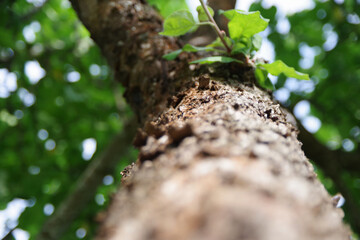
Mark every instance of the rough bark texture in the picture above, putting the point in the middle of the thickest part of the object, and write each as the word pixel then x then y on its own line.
pixel 218 158
pixel 228 167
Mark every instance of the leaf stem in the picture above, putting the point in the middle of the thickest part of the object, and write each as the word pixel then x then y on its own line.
pixel 205 23
pixel 217 29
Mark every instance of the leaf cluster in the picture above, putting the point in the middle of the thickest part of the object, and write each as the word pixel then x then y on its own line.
pixel 243 40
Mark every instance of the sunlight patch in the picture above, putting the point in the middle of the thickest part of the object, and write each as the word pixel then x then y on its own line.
pixel 89 148
pixel 34 71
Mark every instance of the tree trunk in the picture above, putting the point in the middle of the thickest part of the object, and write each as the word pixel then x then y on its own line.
pixel 218 158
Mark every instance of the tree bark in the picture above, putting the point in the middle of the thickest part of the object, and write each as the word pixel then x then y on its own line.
pixel 218 158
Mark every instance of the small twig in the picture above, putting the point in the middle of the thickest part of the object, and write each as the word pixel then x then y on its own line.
pixel 9 235
pixel 217 29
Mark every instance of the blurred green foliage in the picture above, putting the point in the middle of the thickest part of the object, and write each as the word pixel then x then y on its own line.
pixel 43 122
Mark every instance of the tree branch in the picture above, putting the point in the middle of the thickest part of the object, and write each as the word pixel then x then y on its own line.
pixel 351 206
pixel 224 5
pixel 323 156
pixel 9 234
pixel 212 155
pixel 127 33
pixel 217 29
pixel 334 163
pixel 202 36
pixel 86 187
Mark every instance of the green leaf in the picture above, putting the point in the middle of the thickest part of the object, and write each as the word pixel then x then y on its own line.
pixel 263 80
pixel 230 14
pixel 246 24
pixel 218 42
pixel 202 15
pixel 188 48
pixel 167 7
pixel 278 67
pixel 209 60
pixel 178 23
pixel 191 48
pixel 256 41
pixel 239 47
pixel 172 55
